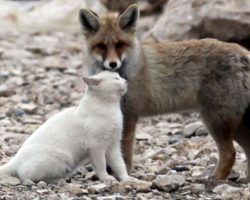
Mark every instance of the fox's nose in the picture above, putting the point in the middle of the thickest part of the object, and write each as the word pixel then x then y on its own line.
pixel 113 64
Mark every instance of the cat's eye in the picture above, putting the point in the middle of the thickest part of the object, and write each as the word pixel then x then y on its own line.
pixel 116 78
pixel 101 46
pixel 119 45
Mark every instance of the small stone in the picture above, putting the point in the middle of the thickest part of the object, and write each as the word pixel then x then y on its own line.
pixel 75 189
pixel 41 184
pixel 168 183
pixel 43 191
pixel 137 184
pixel 201 131
pixel 227 191
pixel 190 129
pixel 4 74
pixel 19 112
pixel 197 188
pixel 16 54
pixel 51 63
pixel 9 180
pixel 143 136
pixel 93 189
pixel 181 168
pixel 5 91
pixel 197 173
pixel 112 197
pixel 29 108
pixel 234 176
pixel 173 140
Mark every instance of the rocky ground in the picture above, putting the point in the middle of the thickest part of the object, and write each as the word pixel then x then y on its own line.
pixel 174 155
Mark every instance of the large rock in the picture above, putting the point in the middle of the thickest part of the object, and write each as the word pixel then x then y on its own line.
pixel 229 192
pixel 27 17
pixel 184 19
pixel 168 183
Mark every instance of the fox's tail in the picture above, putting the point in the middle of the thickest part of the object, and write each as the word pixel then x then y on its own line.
pixel 7 169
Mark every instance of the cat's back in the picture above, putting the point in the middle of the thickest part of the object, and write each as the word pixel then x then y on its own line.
pixel 55 127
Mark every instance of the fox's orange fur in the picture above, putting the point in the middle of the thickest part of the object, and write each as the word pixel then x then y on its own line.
pixel 207 76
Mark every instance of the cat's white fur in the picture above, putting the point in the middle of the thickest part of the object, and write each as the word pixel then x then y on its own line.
pixel 90 131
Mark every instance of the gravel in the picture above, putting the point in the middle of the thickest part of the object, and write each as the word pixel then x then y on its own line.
pixel 40 74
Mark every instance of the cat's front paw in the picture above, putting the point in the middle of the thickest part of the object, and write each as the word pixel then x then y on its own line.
pixel 109 180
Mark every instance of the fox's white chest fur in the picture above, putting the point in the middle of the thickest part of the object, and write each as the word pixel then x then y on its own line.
pixel 91 131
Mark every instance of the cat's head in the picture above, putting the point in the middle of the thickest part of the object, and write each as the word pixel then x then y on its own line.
pixel 107 83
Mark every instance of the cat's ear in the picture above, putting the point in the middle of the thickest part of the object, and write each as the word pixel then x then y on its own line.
pixel 89 21
pixel 129 18
pixel 91 81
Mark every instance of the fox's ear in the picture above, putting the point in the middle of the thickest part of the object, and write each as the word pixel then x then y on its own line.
pixel 91 81
pixel 128 19
pixel 89 21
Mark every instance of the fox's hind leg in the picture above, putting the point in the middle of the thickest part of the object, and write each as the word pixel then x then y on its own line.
pixel 222 132
pixel 243 138
pixel 128 139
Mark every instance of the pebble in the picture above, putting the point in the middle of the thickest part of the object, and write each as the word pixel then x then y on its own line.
pixel 173 140
pixel 29 108
pixel 197 173
pixel 75 189
pixel 181 168
pixel 93 189
pixel 41 69
pixel 190 129
pixel 112 197
pixel 9 180
pixel 143 136
pixel 168 183
pixel 137 184
pixel 201 131
pixel 5 91
pixel 41 184
pixel 229 192
pixel 19 112
pixel 197 188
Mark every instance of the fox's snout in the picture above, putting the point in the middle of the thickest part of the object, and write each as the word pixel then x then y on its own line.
pixel 112 64
pixel 112 60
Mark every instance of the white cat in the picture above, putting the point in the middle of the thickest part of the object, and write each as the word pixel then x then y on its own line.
pixel 92 131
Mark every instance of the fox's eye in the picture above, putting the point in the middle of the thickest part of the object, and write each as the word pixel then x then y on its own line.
pixel 119 45
pixel 101 46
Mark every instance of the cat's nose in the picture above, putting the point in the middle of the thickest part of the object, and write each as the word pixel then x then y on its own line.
pixel 113 65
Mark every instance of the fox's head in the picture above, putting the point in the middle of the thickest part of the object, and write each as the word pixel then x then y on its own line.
pixel 110 39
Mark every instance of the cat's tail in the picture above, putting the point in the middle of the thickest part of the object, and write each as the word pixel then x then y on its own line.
pixel 7 169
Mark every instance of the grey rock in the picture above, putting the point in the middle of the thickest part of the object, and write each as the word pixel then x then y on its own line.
pixel 168 183
pixel 41 184
pixel 186 19
pixel 5 91
pixel 75 189
pixel 93 189
pixel 190 129
pixel 19 112
pixel 227 192
pixel 9 180
pixel 197 188
pixel 112 197
pixel 181 168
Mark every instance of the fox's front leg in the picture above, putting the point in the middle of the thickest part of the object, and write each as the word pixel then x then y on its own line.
pixel 128 139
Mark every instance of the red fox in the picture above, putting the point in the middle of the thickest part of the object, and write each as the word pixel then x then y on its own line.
pixel 207 76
